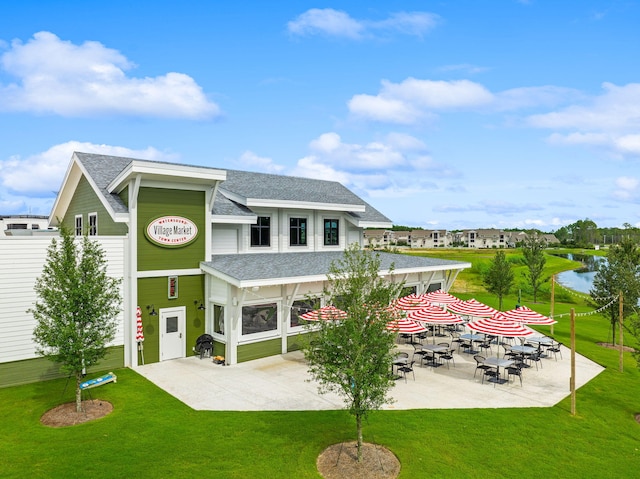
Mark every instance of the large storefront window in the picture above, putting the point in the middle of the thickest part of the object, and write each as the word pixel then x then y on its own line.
pixel 259 318
pixel 299 308
pixel 218 319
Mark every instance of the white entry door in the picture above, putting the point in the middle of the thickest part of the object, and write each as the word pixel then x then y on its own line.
pixel 173 338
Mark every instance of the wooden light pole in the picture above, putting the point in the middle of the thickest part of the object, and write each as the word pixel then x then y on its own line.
pixel 620 309
pixel 553 298
pixel 572 379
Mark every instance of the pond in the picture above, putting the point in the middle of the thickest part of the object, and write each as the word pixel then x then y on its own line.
pixel 580 279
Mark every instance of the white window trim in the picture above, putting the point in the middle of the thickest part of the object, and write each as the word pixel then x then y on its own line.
pixel 340 231
pixel 272 333
pixel 297 247
pixel 75 225
pixel 89 216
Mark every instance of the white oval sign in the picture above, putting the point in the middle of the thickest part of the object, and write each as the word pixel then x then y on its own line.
pixel 172 231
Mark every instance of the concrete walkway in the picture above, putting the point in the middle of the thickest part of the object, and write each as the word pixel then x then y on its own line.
pixel 282 383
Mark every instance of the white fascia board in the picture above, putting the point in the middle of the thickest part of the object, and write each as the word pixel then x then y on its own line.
pixel 64 196
pixel 234 220
pixel 426 269
pixel 303 205
pixel 368 224
pixel 168 171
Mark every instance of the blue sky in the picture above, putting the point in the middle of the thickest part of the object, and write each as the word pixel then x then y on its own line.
pixel 441 114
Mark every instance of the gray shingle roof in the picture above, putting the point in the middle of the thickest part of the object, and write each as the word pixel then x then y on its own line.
pixel 272 268
pixel 104 168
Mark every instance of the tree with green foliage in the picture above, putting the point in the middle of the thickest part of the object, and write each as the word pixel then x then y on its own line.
pixel 76 307
pixel 353 356
pixel 533 251
pixel 619 274
pixel 499 278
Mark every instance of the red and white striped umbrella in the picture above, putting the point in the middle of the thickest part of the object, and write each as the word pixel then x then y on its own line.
pixel 472 307
pixel 525 315
pixel 434 315
pixel 324 313
pixel 494 327
pixel 411 302
pixel 139 328
pixel 440 297
pixel 404 325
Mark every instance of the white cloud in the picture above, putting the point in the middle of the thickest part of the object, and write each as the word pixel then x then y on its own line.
pixel 312 167
pixel 41 175
pixel 627 188
pixel 395 167
pixel 351 156
pixel 250 159
pixel 337 23
pixel 534 97
pixel 56 76
pixel 617 109
pixel 413 99
pixel 326 21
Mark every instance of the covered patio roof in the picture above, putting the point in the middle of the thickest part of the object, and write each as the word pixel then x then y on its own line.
pixel 268 269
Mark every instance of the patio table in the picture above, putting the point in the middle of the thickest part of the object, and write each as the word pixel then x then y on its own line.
pixel 471 338
pixel 434 348
pixel 498 363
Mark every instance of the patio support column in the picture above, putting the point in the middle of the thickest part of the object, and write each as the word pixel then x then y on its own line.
pixel 287 303
pixel 234 326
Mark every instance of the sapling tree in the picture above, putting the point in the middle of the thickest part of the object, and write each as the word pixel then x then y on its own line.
pixel 499 277
pixel 76 308
pixel 353 356
pixel 533 252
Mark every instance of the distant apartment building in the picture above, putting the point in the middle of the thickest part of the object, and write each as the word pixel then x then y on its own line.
pixel 429 239
pixel 482 238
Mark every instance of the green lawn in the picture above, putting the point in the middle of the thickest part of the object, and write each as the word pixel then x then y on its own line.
pixel 151 434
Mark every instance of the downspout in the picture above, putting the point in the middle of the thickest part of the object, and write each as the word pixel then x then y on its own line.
pixel 131 304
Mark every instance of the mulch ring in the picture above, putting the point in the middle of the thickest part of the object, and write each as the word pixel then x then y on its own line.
pixel 616 346
pixel 340 461
pixel 66 415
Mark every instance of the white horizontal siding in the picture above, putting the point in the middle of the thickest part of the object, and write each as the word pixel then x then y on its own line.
pixel 21 263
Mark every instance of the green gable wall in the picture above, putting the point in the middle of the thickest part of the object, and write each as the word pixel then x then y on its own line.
pixel 156 202
pixel 153 291
pixel 86 201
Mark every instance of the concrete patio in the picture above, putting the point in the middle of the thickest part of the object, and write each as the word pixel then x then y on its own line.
pixel 281 383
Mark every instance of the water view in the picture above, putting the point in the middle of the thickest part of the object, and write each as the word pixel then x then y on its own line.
pixel 580 279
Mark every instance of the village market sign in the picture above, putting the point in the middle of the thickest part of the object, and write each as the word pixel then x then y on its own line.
pixel 171 231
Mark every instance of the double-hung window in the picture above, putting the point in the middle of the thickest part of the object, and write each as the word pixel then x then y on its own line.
pixel 297 231
pixel 331 232
pixel 93 224
pixel 78 226
pixel 261 232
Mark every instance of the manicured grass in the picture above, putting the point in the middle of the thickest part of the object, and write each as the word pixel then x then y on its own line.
pixel 152 435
